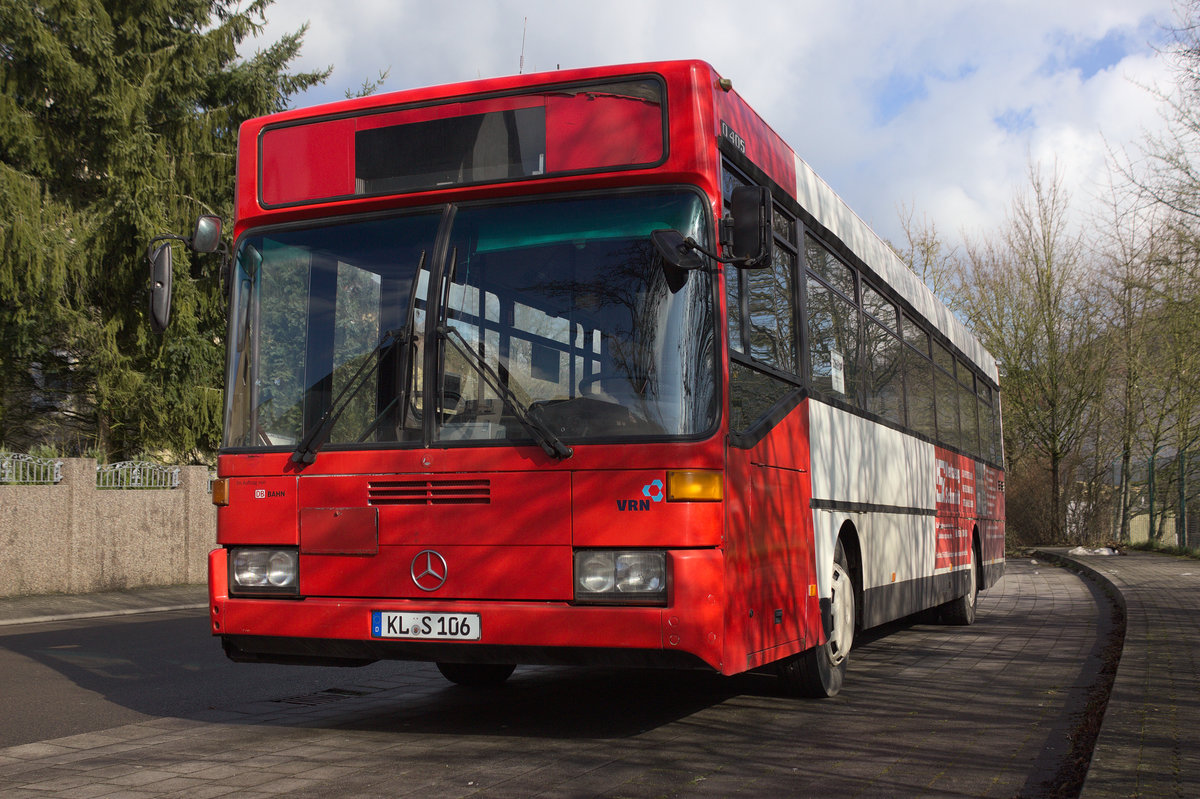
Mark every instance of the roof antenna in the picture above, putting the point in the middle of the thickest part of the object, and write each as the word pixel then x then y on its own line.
pixel 521 68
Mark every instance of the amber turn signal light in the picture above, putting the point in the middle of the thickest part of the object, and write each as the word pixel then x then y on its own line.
pixel 220 492
pixel 695 485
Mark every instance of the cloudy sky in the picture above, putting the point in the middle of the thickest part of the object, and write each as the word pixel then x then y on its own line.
pixel 933 105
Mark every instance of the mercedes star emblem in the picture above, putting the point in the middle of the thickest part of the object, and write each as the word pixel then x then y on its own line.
pixel 428 570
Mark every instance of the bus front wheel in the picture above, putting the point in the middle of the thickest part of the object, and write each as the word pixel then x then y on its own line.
pixel 819 672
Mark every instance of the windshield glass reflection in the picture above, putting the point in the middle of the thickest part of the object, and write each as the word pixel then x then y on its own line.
pixel 566 301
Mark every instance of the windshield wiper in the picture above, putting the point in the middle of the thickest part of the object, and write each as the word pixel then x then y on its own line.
pixel 530 418
pixel 405 368
pixel 306 452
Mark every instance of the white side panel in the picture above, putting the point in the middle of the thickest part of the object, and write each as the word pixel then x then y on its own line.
pixel 891 543
pixel 826 524
pixel 816 197
pixel 856 461
pixel 899 544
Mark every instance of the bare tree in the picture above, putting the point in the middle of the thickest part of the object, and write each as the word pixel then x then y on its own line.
pixel 1126 234
pixel 1169 169
pixel 928 255
pixel 1028 295
pixel 1148 246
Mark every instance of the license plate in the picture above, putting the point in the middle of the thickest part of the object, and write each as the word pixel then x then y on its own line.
pixel 425 626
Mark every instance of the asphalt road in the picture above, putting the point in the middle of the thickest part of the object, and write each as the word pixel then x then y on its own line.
pixel 65 678
pixel 987 710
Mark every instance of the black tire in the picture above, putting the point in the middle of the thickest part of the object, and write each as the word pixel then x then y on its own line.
pixel 961 611
pixel 477 675
pixel 820 671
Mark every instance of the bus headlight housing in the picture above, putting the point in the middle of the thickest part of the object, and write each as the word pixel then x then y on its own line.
pixel 262 570
pixel 635 576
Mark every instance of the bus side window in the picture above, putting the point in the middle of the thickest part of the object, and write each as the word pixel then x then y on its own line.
pixel 883 386
pixel 918 379
pixel 730 180
pixel 761 316
pixel 946 391
pixel 733 308
pixel 883 389
pixel 833 324
pixel 772 321
pixel 832 342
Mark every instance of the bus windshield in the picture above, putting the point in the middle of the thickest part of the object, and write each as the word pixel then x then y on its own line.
pixel 359 328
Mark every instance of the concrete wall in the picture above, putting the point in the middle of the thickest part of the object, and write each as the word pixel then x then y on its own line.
pixel 74 538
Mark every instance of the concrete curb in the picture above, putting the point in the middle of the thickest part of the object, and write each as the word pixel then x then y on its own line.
pixel 97 614
pixel 1149 739
pixel 47 608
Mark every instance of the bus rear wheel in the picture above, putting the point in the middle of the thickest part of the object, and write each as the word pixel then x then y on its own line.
pixel 961 611
pixel 820 671
pixel 476 675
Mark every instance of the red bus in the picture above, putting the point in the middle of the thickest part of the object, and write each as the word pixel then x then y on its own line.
pixel 584 367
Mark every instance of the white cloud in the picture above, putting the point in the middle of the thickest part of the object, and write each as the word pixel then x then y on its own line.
pixel 937 105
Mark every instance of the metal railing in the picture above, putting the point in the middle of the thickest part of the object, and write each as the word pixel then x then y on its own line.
pixel 18 469
pixel 137 474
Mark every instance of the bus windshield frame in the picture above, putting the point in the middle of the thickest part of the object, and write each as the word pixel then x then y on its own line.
pixel 358 325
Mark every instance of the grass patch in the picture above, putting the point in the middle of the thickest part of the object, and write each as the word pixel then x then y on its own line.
pixel 1163 549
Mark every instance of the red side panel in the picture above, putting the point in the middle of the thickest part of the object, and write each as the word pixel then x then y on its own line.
pixel 739 125
pixel 990 488
pixel 955 509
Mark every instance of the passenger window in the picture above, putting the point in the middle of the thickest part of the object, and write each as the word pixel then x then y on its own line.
pixel 832 342
pixel 915 336
pixel 772 325
pixel 824 264
pixel 883 387
pixel 918 381
pixel 947 408
pixel 874 303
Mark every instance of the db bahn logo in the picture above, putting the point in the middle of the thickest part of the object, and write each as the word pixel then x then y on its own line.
pixel 652 491
pixel 428 570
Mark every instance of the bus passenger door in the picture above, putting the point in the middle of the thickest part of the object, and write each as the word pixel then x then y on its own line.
pixel 770 547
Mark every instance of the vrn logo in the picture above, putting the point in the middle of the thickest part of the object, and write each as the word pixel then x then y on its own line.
pixel 652 491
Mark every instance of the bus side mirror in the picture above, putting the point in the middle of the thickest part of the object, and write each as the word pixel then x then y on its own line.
pixel 207 237
pixel 160 287
pixel 753 240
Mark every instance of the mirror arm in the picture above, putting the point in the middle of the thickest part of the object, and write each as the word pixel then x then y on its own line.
pixel 154 242
pixel 735 261
pixel 225 269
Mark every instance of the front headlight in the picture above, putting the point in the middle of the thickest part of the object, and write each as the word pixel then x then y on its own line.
pixel 626 577
pixel 264 571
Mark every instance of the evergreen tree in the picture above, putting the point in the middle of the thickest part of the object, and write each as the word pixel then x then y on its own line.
pixel 119 120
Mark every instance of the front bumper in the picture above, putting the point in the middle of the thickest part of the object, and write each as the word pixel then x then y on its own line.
pixel 337 630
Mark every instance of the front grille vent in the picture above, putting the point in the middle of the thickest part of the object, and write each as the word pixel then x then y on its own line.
pixel 429 492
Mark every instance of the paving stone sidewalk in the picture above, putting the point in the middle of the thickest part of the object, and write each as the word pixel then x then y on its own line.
pixel 1149 744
